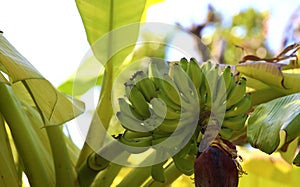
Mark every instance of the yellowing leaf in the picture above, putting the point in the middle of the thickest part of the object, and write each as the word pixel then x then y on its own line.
pixel 272 74
pixel 268 73
pixel 55 107
pixel 14 64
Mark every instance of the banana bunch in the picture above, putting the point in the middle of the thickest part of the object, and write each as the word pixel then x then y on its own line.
pixel 157 106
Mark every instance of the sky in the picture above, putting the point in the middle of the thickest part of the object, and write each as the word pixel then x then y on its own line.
pixel 51 36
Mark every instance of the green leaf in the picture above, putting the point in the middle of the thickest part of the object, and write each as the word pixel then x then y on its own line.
pixel 268 119
pixel 102 16
pixel 54 106
pixel 14 64
pixel 89 74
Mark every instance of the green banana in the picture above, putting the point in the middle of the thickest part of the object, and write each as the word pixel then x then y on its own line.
pixel 202 93
pixel 225 83
pixel 157 134
pixel 153 122
pixel 185 164
pixel 128 110
pixel 132 135
pixel 161 109
pixel 195 73
pixel 184 63
pixel 240 108
pixel 130 123
pixel 237 93
pixel 180 78
pixel 184 151
pixel 211 84
pixel 138 101
pixel 145 85
pixel 183 83
pixel 154 74
pixel 161 95
pixel 206 66
pixel 157 140
pixel 168 126
pixel 228 79
pixel 220 96
pixel 169 88
pixel 235 123
pixel 137 145
pixel 157 170
pixel 226 133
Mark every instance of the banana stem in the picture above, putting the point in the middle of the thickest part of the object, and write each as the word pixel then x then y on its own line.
pixel 136 177
pixel 83 155
pixel 103 113
pixel 8 171
pixel 26 144
pixel 106 177
pixel 89 171
pixel 86 175
pixel 171 173
pixel 96 163
pixel 64 170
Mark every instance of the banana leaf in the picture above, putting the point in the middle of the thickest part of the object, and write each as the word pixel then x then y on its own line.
pixel 274 125
pixel 274 75
pixel 81 80
pixel 54 106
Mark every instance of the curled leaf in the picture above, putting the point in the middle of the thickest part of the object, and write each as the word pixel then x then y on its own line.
pixel 268 119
